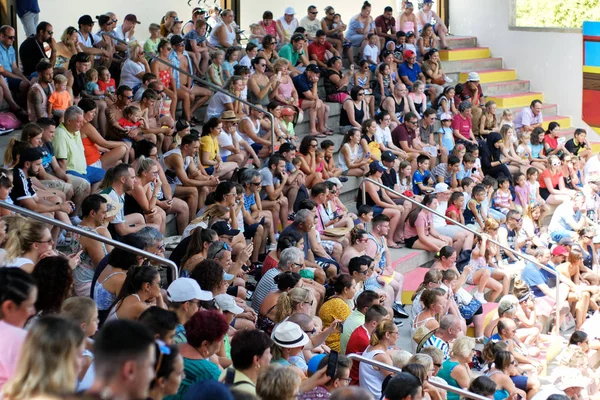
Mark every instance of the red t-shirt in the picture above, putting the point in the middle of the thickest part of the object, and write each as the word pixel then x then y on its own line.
pixel 319 50
pixel 268 264
pixel 109 87
pixel 402 134
pixel 554 178
pixel 357 344
pixel 386 25
pixel 462 125
pixel 551 141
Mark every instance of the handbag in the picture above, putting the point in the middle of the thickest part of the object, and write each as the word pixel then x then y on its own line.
pixel 9 121
pixel 467 304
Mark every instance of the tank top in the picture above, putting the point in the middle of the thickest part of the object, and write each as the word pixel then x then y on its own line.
pixel 445 374
pixel 499 394
pixel 252 98
pixel 229 33
pixel 419 107
pixel 452 207
pixel 354 155
pixel 359 114
pixel 103 297
pixel 469 216
pixel 288 29
pixel 112 316
pixel 170 173
pixel 83 274
pixel 255 129
pixel 408 26
pixel 92 154
pixel 286 90
pixel 398 108
pixel 30 107
pixel 380 250
pixel 369 377
pixel 369 200
pixel 330 87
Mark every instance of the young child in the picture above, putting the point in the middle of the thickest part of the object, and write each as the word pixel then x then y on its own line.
pixel 405 178
pixel 251 52
pixel 60 99
pixel 419 100
pixel 91 87
pixel 472 214
pixel 386 84
pixel 287 120
pixel 162 323
pixel 337 22
pixel 445 103
pixel 328 147
pixel 198 47
pixel 257 33
pixel 490 184
pixel 446 136
pixel 411 42
pixel 151 44
pixel 397 47
pixel 507 118
pixel 422 179
pixel 231 60
pixel 521 191
pixel 455 207
pixel 365 215
pixel 467 185
pixel 477 173
pixel 107 84
pixel 176 29
pixel 371 51
pixel 6 185
pixel 459 151
pixel 83 311
pixel 133 122
pixel 320 163
pixel 503 201
pixel 215 70
pixel 466 167
pixel 534 186
pixel 296 162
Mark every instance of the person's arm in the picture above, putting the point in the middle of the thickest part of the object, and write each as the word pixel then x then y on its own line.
pixel 35 99
pixel 41 206
pixel 58 171
pixel 273 193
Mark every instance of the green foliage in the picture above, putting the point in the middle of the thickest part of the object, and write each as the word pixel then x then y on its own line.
pixel 557 13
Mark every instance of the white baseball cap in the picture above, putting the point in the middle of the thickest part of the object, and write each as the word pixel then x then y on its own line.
pixel 227 303
pixel 473 77
pixel 186 289
pixel 290 11
pixel 441 187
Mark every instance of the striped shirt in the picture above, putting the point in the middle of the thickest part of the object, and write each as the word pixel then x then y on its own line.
pixel 435 341
pixel 265 286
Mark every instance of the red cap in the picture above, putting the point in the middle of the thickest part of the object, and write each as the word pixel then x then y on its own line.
pixel 132 18
pixel 287 111
pixel 560 251
pixel 409 54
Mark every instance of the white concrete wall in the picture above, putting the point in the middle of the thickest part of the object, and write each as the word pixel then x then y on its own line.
pixel 552 61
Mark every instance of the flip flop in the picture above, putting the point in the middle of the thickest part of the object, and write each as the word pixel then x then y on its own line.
pixel 395 246
pixel 318 135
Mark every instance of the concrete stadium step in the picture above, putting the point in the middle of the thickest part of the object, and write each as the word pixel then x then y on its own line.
pixel 467 53
pixel 564 122
pixel 492 75
pixel 471 65
pixel 548 110
pixel 498 88
pixel 512 100
pixel 461 42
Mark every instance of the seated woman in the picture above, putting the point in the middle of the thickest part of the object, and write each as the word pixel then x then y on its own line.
pixel 221 102
pixel 576 355
pixel 296 300
pixel 455 370
pixel 503 369
pixel 307 153
pixel 165 74
pixel 419 232
pixel 288 342
pixel 210 157
pixel 383 337
pixel 197 249
pixel 383 204
pixel 435 306
pixel 141 289
pixel 584 243
pixel 336 308
pixel 510 156
pixel 143 197
pixel 552 183
pixel 354 110
pixel 353 159
pixel 493 162
pixel 335 82
pixel 267 315
pixel 462 304
pixel 531 233
pixel 27 244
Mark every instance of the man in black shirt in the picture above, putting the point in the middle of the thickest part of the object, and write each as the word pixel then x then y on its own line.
pixel 32 49
pixel 390 177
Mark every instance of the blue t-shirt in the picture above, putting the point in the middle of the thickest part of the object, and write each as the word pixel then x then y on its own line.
pixel 249 201
pixel 419 178
pixel 411 73
pixel 533 277
pixel 302 84
pixel 462 173
pixel 25 6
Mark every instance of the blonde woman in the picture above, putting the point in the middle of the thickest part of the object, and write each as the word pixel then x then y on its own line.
pixel 67 48
pixel 134 67
pixel 488 122
pixel 50 360
pixel 384 336
pixel 211 214
pixel 297 300
pixel 26 245
pixel 167 22
pixel 510 154
pixel 278 383
pixel 143 197
pixel 455 370
pixel 430 374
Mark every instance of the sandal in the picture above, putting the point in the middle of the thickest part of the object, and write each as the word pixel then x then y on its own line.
pixel 318 135
pixel 395 246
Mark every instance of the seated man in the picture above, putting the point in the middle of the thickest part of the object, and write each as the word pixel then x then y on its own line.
pixel 69 149
pixel 17 81
pixel 405 137
pixel 114 112
pixel 24 195
pixel 40 91
pixel 32 48
pixel 410 72
pixel 530 117
pixel 294 53
pixel 307 86
pixel 274 177
pixel 385 27
pixel 317 50
pixel 191 183
pixel 568 219
pixel 232 147
pixel 123 176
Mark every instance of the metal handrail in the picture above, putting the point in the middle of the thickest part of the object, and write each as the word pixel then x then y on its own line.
pixel 42 218
pixel 517 253
pixel 216 88
pixel 448 388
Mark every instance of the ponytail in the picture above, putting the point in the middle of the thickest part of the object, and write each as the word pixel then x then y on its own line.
pixel 283 309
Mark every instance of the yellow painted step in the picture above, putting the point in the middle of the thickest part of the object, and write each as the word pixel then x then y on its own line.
pixel 596 148
pixel 564 122
pixel 492 75
pixel 516 99
pixel 470 53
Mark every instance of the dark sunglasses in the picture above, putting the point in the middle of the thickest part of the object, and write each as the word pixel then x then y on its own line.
pixel 129 97
pixel 50 32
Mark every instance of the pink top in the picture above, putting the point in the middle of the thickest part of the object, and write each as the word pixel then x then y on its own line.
pixel 285 90
pixel 524 192
pixel 270 29
pixel 408 26
pixel 10 350
pixel 424 219
pixel 502 198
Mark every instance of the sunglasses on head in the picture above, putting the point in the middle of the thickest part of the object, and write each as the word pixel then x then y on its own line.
pixel 164 350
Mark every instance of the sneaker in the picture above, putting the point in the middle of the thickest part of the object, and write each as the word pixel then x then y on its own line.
pixel 479 296
pixel 399 310
pixel 343 179
pixel 271 247
pixel 398 322
pixel 4 131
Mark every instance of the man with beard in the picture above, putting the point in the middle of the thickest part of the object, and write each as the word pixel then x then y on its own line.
pixel 274 179
pixel 23 193
pixel 123 180
pixel 32 49
pixel 37 98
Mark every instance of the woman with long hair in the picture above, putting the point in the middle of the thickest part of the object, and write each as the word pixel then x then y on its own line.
pixel 210 156
pixel 50 360
pixel 431 280
pixel 165 74
pixel 384 336
pixel 269 51
pixel 293 301
pixel 531 229
pixel 56 276
pixel 585 244
pixel 267 315
pixel 67 48
pixel 336 308
pixel 552 183
pixel 419 232
pixel 353 158
pixel 488 122
pixel 260 87
pixel 197 249
pixel 221 102
pixel 168 371
pixel 26 245
pixel 500 372
pixel 435 306
pixel 369 129
pixel 307 153
pixel 354 110
pixel 140 290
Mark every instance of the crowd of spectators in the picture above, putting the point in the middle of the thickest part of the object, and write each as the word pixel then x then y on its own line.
pixel 279 281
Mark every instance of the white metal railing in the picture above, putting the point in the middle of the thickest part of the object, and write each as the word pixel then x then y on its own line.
pixel 216 88
pixel 47 220
pixel 517 253
pixel 448 388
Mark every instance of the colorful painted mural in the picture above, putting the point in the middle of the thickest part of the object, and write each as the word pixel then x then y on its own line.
pixel 591 74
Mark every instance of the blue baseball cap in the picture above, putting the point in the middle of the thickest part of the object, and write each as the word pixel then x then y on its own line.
pixel 377 166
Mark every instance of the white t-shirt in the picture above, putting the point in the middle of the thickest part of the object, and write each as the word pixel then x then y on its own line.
pixel 226 139
pixel 88 42
pixel 120 217
pixel 372 52
pixel 311 26
pixel 216 105
pixel 591 171
pixel 383 136
pixel 437 220
pixel 129 71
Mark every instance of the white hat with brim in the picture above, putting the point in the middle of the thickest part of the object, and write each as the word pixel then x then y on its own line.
pixel 289 335
pixel 227 303
pixel 569 378
pixel 473 77
pixel 290 11
pixel 187 289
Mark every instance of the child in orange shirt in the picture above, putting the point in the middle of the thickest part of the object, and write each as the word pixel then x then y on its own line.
pixel 60 99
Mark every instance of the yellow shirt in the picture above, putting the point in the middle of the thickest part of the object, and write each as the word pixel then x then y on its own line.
pixel 210 145
pixel 335 308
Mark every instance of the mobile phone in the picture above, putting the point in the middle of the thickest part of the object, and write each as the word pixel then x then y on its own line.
pixel 279 75
pixel 339 327
pixel 332 364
